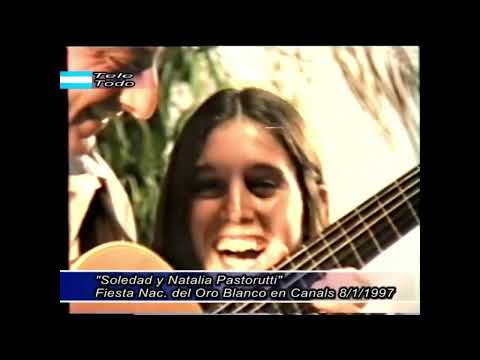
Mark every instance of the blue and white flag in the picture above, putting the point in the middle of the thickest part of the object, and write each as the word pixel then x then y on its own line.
pixel 76 79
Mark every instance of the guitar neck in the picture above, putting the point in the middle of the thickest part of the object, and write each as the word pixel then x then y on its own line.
pixel 365 232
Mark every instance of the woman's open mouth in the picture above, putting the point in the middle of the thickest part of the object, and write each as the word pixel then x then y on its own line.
pixel 240 253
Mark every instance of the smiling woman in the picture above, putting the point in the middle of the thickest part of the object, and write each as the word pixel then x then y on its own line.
pixel 243 188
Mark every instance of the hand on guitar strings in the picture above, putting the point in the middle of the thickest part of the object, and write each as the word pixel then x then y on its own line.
pixel 343 277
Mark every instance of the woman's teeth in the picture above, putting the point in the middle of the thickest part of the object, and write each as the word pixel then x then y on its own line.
pixel 238 245
pixel 239 253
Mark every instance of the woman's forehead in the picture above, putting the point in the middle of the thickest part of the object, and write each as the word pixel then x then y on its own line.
pixel 243 141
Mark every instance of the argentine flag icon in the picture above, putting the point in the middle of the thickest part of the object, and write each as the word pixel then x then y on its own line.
pixel 76 79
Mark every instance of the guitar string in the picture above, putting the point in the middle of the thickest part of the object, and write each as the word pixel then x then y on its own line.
pixel 385 214
pixel 337 225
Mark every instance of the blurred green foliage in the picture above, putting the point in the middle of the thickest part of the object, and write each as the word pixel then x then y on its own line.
pixel 138 151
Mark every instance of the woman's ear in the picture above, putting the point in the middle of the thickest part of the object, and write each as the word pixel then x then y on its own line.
pixel 324 206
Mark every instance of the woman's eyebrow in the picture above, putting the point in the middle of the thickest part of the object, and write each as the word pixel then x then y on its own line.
pixel 266 169
pixel 203 169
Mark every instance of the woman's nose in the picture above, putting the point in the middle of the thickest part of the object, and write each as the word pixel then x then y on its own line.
pixel 141 100
pixel 237 207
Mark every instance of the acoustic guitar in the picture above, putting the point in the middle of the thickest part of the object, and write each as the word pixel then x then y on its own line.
pixel 352 241
pixel 123 255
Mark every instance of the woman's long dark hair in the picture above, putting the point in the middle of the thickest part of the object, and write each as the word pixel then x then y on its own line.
pixel 172 235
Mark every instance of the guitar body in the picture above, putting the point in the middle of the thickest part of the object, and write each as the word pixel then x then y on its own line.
pixel 122 255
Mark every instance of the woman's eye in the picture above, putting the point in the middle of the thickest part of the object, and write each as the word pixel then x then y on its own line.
pixel 207 188
pixel 263 188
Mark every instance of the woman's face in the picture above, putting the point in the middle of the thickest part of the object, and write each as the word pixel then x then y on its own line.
pixel 247 206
